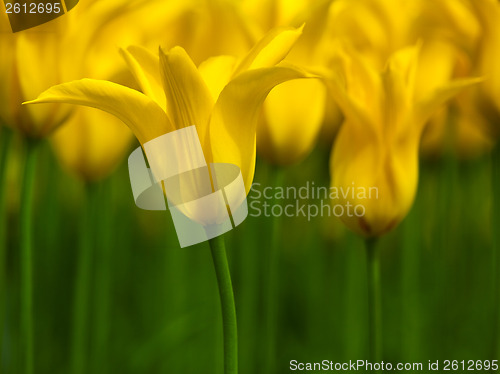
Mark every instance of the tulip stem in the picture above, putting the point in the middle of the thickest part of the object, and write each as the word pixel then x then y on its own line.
pixel 26 242
pixel 495 221
pixel 79 342
pixel 101 284
pixel 272 279
pixel 229 326
pixel 5 138
pixel 374 307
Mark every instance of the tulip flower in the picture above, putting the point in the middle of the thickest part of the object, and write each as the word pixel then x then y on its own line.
pixel 227 100
pixel 221 98
pixel 292 117
pixel 378 143
pixel 22 78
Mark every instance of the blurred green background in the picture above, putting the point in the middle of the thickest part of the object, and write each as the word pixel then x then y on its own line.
pixel 155 306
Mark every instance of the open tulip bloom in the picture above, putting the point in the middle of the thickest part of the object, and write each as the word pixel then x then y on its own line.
pixel 221 98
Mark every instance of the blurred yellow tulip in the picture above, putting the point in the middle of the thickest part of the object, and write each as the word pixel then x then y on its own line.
pixel 292 118
pixel 91 143
pixel 40 57
pixel 377 146
pixel 29 63
pixel 223 107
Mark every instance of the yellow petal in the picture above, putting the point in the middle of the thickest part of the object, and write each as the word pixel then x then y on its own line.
pixel 399 87
pixel 234 119
pixel 217 72
pixel 293 115
pixel 188 97
pixel 437 65
pixel 356 87
pixel 271 49
pixel 145 67
pixel 140 113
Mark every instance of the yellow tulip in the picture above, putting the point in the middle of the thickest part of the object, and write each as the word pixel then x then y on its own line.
pixel 25 70
pixel 375 154
pixel 223 107
pixel 40 57
pixel 292 117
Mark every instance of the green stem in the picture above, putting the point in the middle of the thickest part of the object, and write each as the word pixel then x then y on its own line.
pixel 26 241
pixel 101 284
pixel 374 307
pixel 410 263
pixel 495 221
pixel 272 285
pixel 5 138
pixel 229 327
pixel 248 293
pixel 80 336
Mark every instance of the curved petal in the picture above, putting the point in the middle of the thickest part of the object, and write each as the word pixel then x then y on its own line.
pixel 141 114
pixel 428 106
pixel 271 49
pixel 234 119
pixel 188 97
pixel 145 67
